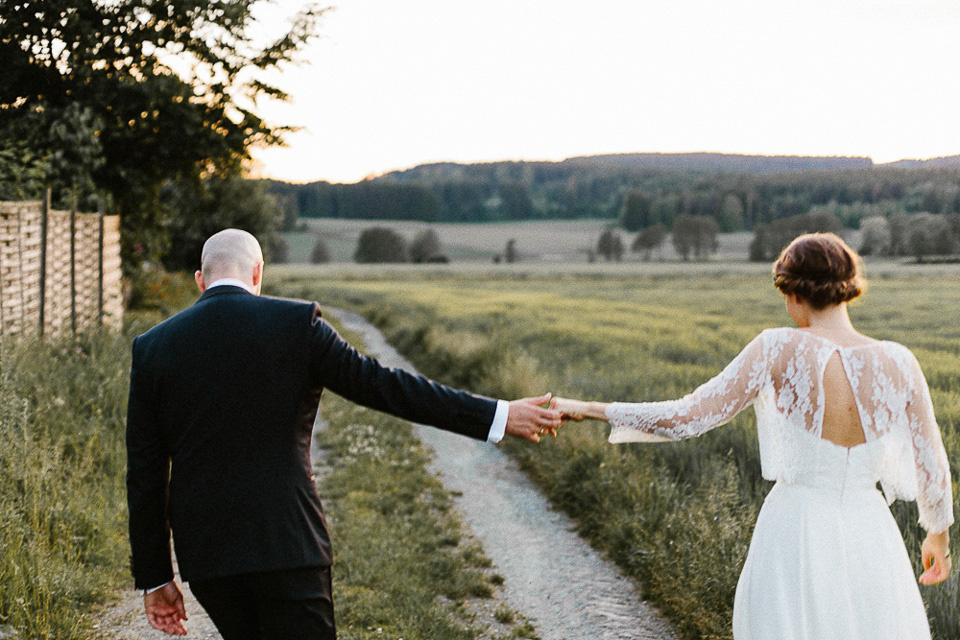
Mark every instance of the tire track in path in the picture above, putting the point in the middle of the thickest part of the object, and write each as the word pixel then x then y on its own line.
pixel 553 576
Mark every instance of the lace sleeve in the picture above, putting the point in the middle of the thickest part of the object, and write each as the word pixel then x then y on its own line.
pixel 712 404
pixel 934 495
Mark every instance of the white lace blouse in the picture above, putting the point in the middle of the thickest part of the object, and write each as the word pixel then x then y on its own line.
pixel 781 373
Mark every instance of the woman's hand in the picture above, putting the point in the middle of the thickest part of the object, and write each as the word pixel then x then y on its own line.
pixel 578 410
pixel 935 554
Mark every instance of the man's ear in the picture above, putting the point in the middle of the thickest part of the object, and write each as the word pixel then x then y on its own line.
pixel 198 276
pixel 257 274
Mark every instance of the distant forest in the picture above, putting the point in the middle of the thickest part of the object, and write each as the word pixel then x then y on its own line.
pixel 640 190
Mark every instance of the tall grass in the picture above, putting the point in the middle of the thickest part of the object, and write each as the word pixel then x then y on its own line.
pixel 676 516
pixel 62 509
pixel 63 526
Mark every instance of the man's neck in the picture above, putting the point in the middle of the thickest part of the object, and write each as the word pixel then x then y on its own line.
pixel 230 282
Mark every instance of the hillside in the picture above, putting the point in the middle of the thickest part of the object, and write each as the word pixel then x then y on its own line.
pixel 701 161
pixel 738 191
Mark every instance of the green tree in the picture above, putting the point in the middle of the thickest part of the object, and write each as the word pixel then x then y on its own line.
pixel 425 247
pixel 649 239
pixel 731 213
pixel 930 234
pixel 875 236
pixel 636 211
pixel 696 235
pixel 213 204
pixel 510 253
pixel 610 245
pixel 770 238
pixel 320 254
pixel 110 63
pixel 381 244
pixel 76 154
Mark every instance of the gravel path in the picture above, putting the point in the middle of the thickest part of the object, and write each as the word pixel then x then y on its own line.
pixel 552 576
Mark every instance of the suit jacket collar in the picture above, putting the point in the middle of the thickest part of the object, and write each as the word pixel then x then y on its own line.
pixel 227 289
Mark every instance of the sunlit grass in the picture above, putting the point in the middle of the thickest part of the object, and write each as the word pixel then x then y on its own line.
pixel 648 337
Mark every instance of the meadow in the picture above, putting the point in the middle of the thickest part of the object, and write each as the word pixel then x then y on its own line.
pixel 549 241
pixel 677 517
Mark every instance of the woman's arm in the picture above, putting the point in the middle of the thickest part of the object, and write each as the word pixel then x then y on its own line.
pixel 712 404
pixel 935 489
pixel 579 410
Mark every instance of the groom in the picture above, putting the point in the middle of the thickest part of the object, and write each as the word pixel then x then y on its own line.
pixel 223 398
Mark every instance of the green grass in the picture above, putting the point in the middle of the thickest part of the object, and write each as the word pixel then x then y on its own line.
pixel 63 522
pixel 404 567
pixel 647 337
pixel 62 500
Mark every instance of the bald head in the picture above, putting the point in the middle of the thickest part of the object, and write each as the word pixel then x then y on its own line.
pixel 231 253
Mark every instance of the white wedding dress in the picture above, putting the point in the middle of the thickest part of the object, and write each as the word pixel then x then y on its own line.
pixel 827 561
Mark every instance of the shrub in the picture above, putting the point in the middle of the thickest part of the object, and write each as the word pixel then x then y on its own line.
pixel 426 247
pixel 381 244
pixel 321 251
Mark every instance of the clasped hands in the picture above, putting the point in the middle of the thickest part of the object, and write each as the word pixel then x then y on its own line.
pixel 532 418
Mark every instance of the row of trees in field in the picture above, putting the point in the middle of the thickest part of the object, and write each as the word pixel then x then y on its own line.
pixel 383 244
pixel 694 237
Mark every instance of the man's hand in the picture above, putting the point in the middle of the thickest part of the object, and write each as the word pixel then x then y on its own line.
pixel 529 420
pixel 165 609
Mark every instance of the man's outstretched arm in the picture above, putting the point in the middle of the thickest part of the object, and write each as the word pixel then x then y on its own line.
pixel 361 379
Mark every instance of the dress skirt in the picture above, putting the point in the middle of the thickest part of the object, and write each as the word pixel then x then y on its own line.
pixel 825 564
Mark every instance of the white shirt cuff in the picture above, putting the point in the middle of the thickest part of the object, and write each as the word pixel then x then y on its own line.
pixel 157 588
pixel 499 426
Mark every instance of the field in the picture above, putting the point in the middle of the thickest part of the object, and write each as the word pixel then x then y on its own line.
pixel 643 333
pixel 551 242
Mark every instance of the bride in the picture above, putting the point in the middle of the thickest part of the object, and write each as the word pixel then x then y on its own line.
pixel 837 412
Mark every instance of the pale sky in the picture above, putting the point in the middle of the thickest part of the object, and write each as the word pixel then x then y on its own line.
pixel 394 83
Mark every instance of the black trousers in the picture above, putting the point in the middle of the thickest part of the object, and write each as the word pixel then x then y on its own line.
pixel 294 604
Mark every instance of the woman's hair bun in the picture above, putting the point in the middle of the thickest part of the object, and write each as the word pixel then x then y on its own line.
pixel 821 269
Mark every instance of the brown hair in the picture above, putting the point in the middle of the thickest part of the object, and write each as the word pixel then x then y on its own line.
pixel 820 269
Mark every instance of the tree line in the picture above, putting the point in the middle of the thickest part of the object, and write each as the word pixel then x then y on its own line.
pixel 637 197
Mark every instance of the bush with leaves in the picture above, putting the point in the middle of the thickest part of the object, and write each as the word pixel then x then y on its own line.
pixel 426 247
pixel 320 254
pixel 381 244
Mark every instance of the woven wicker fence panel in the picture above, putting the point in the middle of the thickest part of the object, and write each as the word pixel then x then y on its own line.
pixel 81 293
pixel 57 309
pixel 20 231
pixel 112 274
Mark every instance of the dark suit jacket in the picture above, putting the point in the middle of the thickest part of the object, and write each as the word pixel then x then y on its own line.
pixel 223 398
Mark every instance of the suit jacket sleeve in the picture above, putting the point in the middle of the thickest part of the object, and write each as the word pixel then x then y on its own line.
pixel 361 379
pixel 148 474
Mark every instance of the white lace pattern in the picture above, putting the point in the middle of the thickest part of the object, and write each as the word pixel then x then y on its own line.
pixel 781 373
